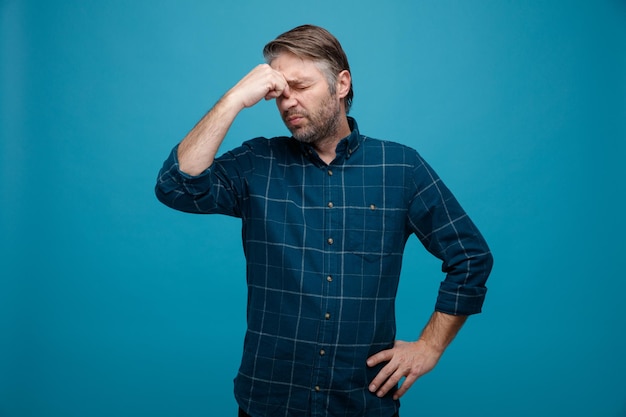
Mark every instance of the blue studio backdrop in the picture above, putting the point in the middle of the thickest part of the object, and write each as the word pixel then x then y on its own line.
pixel 114 305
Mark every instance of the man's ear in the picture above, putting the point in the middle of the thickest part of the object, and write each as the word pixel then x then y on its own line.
pixel 344 81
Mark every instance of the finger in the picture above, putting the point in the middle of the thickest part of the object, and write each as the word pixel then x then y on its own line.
pixel 404 387
pixel 280 89
pixel 382 376
pixel 380 357
pixel 389 384
pixel 271 95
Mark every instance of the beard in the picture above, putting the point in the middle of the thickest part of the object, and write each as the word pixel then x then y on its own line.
pixel 320 124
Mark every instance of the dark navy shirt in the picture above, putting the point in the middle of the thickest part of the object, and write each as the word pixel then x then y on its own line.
pixel 323 246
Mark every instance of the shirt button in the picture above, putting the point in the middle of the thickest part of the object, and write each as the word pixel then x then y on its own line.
pixel 329 278
pixel 330 172
pixel 327 316
pixel 322 352
pixel 372 207
pixel 317 388
pixel 330 204
pixel 330 241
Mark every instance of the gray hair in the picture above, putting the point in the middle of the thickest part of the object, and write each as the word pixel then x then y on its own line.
pixel 317 44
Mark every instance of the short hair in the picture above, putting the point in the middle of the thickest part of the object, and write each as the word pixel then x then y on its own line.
pixel 317 44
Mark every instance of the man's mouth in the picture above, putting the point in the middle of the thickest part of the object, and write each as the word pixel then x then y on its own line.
pixel 295 120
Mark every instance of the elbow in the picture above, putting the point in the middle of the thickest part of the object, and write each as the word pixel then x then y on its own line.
pixel 488 262
pixel 163 197
pixel 479 268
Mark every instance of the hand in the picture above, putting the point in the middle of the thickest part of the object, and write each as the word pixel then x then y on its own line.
pixel 262 82
pixel 405 359
pixel 198 149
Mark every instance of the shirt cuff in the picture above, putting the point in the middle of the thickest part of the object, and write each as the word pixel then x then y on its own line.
pixel 193 184
pixel 459 300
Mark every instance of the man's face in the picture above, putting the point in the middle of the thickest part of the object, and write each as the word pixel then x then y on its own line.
pixel 309 110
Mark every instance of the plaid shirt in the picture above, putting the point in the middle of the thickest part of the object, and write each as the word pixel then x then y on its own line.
pixel 323 247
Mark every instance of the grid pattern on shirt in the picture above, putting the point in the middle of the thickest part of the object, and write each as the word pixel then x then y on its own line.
pixel 323 246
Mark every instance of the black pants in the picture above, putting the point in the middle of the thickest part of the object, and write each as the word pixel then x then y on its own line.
pixel 244 414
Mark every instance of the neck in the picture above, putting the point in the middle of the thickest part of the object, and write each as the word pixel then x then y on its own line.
pixel 326 147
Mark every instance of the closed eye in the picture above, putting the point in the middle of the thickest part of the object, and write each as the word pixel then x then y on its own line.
pixel 300 87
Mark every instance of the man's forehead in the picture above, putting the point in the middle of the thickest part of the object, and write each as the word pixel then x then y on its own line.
pixel 295 67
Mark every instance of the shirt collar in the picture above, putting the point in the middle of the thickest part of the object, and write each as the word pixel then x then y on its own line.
pixel 346 146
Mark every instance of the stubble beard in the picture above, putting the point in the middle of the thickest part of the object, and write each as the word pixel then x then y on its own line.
pixel 322 125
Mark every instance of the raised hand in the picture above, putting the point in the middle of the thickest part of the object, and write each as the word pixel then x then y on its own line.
pixel 262 82
pixel 198 149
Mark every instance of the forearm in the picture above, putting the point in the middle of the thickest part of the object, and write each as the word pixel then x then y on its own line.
pixel 441 330
pixel 198 149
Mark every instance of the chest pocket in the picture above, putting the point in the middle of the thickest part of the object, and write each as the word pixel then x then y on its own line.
pixel 373 229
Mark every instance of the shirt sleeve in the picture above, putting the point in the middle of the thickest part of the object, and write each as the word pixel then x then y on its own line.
pixel 447 232
pixel 215 191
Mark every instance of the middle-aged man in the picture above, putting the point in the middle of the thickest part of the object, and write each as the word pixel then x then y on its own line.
pixel 325 217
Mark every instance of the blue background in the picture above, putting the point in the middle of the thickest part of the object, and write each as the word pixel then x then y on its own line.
pixel 113 305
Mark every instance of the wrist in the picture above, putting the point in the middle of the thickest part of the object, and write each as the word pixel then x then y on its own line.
pixel 432 345
pixel 231 102
pixel 441 330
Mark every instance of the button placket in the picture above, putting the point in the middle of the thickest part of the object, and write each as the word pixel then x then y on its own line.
pixel 331 226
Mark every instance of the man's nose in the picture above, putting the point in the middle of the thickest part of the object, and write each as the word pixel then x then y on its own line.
pixel 287 100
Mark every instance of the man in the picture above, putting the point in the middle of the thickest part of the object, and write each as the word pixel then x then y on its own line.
pixel 325 217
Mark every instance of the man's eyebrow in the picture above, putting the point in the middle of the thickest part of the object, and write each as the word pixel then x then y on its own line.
pixel 300 81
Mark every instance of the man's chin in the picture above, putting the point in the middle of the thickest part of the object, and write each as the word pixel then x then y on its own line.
pixel 304 138
pixel 300 134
